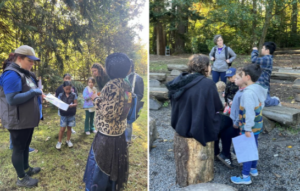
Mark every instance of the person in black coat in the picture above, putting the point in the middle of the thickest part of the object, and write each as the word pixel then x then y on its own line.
pixel 195 102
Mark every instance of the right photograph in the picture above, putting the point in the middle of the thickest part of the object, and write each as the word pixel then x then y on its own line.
pixel 224 87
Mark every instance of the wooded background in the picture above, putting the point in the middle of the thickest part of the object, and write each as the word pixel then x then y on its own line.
pixel 188 26
pixel 70 35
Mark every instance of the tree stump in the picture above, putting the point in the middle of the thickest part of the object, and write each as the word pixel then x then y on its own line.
pixel 194 163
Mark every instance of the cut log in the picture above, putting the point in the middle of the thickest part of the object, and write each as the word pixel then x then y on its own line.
pixel 180 67
pixel 159 93
pixel 194 163
pixel 296 88
pixel 284 70
pixel 158 76
pixel 284 115
pixel 287 52
pixel 285 76
pixel 297 81
pixel 175 73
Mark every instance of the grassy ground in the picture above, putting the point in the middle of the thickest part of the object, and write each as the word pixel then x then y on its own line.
pixel 159 63
pixel 63 170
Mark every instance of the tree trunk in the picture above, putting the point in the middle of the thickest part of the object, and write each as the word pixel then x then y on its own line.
pixel 181 29
pixel 194 163
pixel 254 22
pixel 160 39
pixel 154 40
pixel 268 18
pixel 294 24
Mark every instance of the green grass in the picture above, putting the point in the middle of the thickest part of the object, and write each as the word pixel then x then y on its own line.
pixel 161 65
pixel 63 170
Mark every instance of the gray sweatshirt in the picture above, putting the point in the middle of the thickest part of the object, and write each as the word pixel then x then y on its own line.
pixel 220 64
pixel 252 103
pixel 235 107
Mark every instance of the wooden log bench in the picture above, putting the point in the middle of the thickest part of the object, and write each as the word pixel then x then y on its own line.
pixel 194 163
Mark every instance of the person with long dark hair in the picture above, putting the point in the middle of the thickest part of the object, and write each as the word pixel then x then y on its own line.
pixel 107 164
pixel 20 110
pixel 99 73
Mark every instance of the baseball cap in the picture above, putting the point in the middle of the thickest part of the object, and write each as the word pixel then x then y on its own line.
pixel 27 51
pixel 230 72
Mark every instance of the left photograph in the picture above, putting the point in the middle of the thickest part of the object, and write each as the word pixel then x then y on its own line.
pixel 73 95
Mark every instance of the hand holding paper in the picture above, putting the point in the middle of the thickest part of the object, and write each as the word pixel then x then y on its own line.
pixel 245 148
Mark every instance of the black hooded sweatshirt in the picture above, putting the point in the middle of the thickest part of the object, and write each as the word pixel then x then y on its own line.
pixel 195 102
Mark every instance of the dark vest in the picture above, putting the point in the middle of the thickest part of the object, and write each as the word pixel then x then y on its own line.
pixel 68 100
pixel 23 116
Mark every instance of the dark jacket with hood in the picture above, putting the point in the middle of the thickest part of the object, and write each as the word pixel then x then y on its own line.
pixel 195 105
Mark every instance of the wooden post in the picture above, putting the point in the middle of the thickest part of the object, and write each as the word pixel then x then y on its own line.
pixel 194 163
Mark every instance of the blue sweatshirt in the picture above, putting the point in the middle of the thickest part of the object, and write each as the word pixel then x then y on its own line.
pixel 235 107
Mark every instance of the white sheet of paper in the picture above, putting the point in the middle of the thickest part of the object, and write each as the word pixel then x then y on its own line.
pixel 245 148
pixel 57 102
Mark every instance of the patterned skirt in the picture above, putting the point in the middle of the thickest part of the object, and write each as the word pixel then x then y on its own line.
pixel 107 164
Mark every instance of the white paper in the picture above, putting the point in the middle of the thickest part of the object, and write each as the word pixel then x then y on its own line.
pixel 245 148
pixel 57 102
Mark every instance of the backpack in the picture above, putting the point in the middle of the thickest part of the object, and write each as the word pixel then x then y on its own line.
pixel 226 55
pixel 136 106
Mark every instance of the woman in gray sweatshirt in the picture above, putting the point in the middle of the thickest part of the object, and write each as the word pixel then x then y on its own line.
pixel 221 61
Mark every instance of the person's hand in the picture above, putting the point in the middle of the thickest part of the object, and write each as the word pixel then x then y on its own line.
pixel 94 96
pixel 255 48
pixel 230 104
pixel 228 61
pixel 212 58
pixel 43 96
pixel 235 126
pixel 248 134
pixel 37 91
pixel 223 94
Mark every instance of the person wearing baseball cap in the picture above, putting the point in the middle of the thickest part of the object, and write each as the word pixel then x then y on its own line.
pixel 20 100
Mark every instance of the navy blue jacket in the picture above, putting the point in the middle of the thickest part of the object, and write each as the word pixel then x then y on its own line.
pixel 195 105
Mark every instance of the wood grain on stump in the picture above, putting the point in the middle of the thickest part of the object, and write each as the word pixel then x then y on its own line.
pixel 194 163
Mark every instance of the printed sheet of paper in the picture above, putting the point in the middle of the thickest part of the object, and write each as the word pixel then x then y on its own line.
pixel 57 102
pixel 245 148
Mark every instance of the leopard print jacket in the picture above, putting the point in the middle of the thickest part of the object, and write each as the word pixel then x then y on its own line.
pixel 112 107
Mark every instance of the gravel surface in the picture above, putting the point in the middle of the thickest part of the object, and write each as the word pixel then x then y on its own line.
pixel 276 173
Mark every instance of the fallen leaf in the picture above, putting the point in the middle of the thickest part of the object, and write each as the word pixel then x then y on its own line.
pixel 276 155
pixel 47 138
pixel 170 150
pixel 153 146
pixel 293 101
pixel 165 140
pixel 277 175
pixel 279 134
pixel 289 146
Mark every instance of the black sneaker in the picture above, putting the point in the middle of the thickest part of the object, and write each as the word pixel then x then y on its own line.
pixel 33 171
pixel 225 160
pixel 27 182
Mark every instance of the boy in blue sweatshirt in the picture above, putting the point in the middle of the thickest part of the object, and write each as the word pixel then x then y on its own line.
pixel 250 116
pixel 266 64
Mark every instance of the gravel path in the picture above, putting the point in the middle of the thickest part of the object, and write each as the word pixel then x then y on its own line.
pixel 276 173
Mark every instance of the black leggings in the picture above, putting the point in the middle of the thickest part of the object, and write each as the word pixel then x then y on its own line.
pixel 21 140
pixel 227 132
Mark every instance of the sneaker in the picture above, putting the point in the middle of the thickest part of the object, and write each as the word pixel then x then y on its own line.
pixel 69 143
pixel 95 131
pixel 87 133
pixel 27 181
pixel 33 171
pixel 279 104
pixel 58 145
pixel 241 180
pixel 73 131
pixel 254 172
pixel 32 150
pixel 225 160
